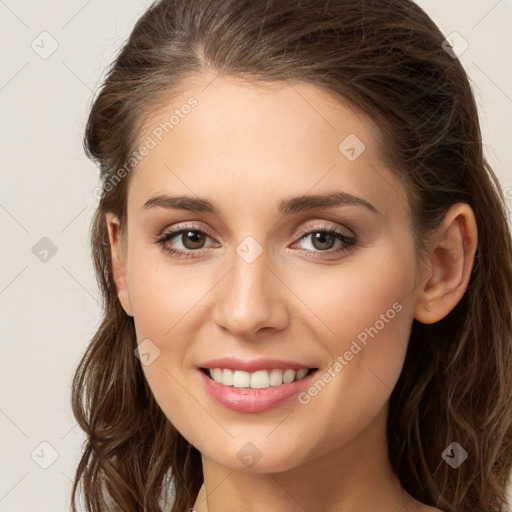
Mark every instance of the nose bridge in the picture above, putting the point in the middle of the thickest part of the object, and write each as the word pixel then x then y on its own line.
pixel 250 298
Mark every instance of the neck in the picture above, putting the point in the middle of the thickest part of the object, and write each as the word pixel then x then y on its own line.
pixel 355 476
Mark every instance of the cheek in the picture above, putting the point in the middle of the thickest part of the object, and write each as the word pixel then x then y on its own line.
pixel 368 293
pixel 164 296
pixel 165 303
pixel 365 312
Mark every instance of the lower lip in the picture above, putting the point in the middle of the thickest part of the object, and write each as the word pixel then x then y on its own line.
pixel 254 400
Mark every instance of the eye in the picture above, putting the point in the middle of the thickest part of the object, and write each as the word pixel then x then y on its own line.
pixel 191 238
pixel 323 239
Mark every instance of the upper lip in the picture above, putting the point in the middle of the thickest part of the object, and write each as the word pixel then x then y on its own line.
pixel 253 365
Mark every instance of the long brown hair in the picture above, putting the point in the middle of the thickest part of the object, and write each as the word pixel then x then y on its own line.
pixel 387 58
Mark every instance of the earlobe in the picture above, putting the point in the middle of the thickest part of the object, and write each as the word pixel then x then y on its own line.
pixel 118 258
pixel 450 260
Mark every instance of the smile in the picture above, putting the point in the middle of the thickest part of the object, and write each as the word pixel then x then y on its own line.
pixel 260 379
pixel 254 391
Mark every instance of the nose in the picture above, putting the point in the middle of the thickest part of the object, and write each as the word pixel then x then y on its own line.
pixel 251 299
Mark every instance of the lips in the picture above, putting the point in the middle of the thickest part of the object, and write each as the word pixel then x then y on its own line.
pixel 254 385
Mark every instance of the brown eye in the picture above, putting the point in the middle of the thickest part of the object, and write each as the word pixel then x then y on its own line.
pixel 326 241
pixel 192 239
pixel 323 240
pixel 184 241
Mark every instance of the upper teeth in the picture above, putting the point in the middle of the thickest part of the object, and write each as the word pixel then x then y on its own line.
pixel 259 379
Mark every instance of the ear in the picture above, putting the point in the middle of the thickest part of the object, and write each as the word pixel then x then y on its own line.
pixel 118 255
pixel 449 261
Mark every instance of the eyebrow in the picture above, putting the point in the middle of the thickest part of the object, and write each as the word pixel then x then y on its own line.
pixel 285 206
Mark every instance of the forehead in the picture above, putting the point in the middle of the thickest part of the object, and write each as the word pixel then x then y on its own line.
pixel 246 141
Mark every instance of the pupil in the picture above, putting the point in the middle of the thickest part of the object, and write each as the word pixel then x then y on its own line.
pixel 320 237
pixel 196 239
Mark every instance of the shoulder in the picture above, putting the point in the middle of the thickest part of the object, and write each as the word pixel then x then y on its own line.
pixel 426 508
pixel 421 507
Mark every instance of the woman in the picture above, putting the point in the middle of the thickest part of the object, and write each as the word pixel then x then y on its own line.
pixel 305 264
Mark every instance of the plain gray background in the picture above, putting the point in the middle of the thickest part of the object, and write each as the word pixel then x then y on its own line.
pixel 49 300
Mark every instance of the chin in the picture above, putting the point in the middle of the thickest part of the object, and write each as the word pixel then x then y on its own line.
pixel 257 458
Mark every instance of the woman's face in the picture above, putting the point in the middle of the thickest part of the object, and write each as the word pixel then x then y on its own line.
pixel 258 283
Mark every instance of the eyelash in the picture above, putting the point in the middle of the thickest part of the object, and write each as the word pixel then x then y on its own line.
pixel 349 242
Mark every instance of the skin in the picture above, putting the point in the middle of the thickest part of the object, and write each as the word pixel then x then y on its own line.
pixel 245 148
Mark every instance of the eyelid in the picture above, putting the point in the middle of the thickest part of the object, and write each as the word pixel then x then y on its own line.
pixel 303 231
pixel 325 227
pixel 166 235
pixel 183 226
